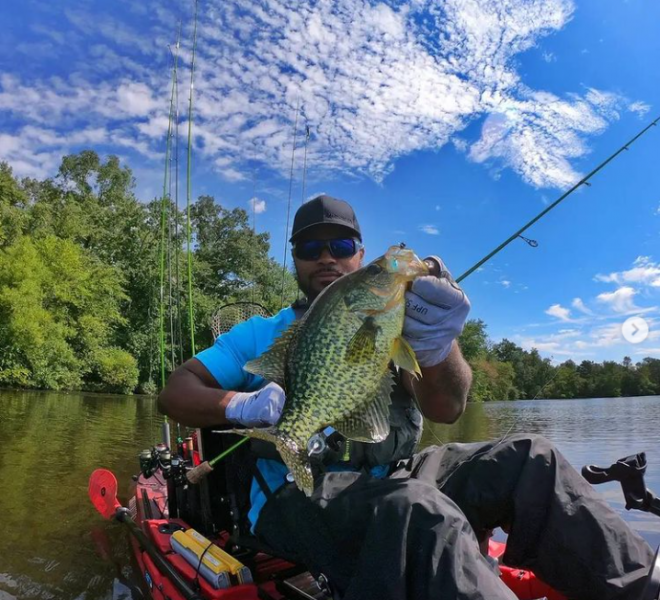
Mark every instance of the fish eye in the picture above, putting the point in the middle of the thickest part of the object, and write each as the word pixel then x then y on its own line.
pixel 374 269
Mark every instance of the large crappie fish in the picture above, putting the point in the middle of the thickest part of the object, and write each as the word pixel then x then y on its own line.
pixel 333 363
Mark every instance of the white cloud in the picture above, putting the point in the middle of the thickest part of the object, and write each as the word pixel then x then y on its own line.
pixel 232 175
pixel 257 205
pixel 430 229
pixel 652 352
pixel 411 77
pixel 607 335
pixel 505 283
pixel 548 57
pixel 639 108
pixel 621 300
pixel 579 304
pixel 136 99
pixel 559 312
pixel 644 271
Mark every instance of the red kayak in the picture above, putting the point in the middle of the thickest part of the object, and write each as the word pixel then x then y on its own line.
pixel 186 552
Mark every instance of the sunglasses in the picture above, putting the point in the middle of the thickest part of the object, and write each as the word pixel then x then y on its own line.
pixel 339 248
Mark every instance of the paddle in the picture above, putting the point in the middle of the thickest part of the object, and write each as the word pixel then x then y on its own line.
pixel 103 494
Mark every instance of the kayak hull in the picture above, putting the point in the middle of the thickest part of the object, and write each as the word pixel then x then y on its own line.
pixel 149 508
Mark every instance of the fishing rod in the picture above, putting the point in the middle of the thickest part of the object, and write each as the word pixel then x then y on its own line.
pixel 189 184
pixel 177 251
pixel 288 207
pixel 174 114
pixel 199 473
pixel 583 181
pixel 164 212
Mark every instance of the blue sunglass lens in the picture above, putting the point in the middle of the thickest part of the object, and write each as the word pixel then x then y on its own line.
pixel 342 248
pixel 312 249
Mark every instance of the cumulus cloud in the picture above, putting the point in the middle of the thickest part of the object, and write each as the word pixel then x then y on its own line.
pixel 559 312
pixel 257 205
pixel 644 271
pixel 429 229
pixel 621 300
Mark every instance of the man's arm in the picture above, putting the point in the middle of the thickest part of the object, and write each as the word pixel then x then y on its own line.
pixel 443 389
pixel 193 397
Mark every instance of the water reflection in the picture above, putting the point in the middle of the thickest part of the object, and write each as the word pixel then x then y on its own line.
pixel 50 444
pixel 54 545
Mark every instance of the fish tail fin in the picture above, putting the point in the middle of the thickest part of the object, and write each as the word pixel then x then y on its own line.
pixel 297 460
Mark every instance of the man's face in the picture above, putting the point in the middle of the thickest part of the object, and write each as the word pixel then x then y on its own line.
pixel 314 275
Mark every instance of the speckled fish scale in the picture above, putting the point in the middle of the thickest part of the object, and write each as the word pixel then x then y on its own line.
pixel 334 362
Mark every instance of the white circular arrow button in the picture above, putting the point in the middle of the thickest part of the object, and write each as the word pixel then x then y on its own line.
pixel 635 330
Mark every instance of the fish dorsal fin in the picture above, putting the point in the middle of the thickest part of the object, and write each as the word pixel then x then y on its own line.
pixel 271 364
pixel 370 424
pixel 362 345
pixel 404 356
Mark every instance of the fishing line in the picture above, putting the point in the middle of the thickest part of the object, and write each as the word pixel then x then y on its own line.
pixel 304 177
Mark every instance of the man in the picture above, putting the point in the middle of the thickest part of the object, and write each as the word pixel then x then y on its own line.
pixel 382 523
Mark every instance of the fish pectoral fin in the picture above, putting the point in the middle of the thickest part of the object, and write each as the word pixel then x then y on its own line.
pixel 362 345
pixel 370 424
pixel 271 364
pixel 404 356
pixel 295 457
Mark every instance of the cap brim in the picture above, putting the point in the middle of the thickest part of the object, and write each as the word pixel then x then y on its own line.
pixel 353 232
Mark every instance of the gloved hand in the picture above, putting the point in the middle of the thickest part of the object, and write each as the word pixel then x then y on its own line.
pixel 256 409
pixel 436 309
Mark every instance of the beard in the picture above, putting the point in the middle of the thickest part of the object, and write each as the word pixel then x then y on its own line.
pixel 311 288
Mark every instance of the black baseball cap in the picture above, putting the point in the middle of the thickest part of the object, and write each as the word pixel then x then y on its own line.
pixel 325 210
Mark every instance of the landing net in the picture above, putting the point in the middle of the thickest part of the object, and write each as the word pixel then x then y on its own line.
pixel 231 314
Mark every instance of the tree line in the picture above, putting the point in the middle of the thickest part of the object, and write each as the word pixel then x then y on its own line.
pixel 80 292
pixel 505 371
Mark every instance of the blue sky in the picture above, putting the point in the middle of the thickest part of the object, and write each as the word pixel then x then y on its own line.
pixel 447 125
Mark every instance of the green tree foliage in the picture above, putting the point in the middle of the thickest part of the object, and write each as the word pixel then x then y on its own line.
pixel 58 306
pixel 505 371
pixel 80 281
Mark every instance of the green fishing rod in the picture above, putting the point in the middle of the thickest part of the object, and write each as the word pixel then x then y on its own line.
pixel 191 314
pixel 164 220
pixel 583 181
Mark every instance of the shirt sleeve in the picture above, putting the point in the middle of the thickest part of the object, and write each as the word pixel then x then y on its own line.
pixel 226 358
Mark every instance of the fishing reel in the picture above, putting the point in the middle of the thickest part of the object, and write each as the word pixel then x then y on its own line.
pixel 158 457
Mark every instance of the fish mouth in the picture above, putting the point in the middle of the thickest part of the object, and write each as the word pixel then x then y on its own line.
pixel 404 263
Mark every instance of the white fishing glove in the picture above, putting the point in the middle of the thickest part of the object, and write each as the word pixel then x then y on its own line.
pixel 256 409
pixel 436 309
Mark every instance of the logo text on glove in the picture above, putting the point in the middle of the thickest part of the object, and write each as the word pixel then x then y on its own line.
pixel 418 308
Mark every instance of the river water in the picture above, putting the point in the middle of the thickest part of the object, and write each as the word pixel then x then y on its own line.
pixel 54 545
